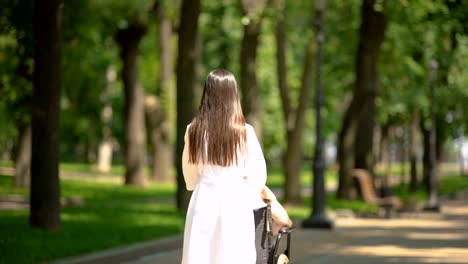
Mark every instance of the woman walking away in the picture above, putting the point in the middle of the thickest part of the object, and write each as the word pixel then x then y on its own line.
pixel 224 165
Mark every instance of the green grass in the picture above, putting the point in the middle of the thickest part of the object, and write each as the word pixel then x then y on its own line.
pixel 116 169
pixel 448 184
pixel 276 179
pixel 6 163
pixel 112 215
pixel 333 204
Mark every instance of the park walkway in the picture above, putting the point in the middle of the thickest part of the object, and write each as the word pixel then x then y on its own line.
pixel 411 238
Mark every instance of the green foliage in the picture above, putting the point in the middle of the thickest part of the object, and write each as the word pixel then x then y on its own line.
pixel 15 68
pixel 221 33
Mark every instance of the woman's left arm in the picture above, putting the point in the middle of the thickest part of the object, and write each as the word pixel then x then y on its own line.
pixel 190 170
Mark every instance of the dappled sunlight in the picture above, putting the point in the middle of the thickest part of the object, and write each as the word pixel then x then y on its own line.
pixel 398 224
pixel 438 236
pixel 426 255
pixel 459 210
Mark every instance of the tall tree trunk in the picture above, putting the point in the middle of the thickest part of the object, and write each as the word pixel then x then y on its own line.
pixel 156 106
pixel 23 151
pixel 387 135
pixel 159 132
pixel 426 154
pixel 294 119
pixel 346 153
pixel 402 153
pixel 186 85
pixel 23 159
pixel 45 123
pixel 414 143
pixel 365 133
pixel 251 104
pixel 355 141
pixel 441 136
pixel 104 161
pixel 129 40
pixel 376 144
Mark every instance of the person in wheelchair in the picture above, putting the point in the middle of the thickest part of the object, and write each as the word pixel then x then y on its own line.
pixel 272 223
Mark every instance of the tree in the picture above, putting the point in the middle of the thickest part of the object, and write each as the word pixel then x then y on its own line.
pixel 186 86
pixel 355 140
pixel 161 129
pixel 253 12
pixel 294 118
pixel 129 39
pixel 45 185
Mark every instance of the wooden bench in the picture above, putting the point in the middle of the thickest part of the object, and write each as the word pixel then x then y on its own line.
pixel 367 192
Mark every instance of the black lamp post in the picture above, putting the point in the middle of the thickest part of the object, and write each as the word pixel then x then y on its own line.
pixel 318 218
pixel 433 203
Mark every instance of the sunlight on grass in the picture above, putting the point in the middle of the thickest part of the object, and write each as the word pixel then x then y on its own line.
pixel 333 204
pixel 112 215
pixel 6 163
pixel 448 184
pixel 276 177
pixel 116 169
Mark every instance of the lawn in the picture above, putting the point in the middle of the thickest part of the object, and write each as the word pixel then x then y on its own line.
pixel 276 179
pixel 112 215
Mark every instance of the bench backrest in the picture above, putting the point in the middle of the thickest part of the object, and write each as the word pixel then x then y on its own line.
pixel 365 185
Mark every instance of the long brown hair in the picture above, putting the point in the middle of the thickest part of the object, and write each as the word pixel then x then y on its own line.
pixel 218 130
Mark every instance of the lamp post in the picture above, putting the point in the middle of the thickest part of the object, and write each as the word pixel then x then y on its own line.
pixel 318 218
pixel 433 203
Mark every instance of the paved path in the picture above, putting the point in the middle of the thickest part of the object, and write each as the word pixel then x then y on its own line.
pixel 411 238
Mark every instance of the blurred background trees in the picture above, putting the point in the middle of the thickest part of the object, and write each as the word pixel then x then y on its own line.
pixel 133 72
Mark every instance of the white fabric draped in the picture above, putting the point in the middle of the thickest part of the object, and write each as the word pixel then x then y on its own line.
pixel 219 227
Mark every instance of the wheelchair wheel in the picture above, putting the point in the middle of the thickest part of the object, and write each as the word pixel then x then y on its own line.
pixel 282 259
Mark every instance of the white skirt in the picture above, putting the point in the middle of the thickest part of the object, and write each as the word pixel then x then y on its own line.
pixel 219 228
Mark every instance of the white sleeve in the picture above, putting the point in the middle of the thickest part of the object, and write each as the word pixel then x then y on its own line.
pixel 189 170
pixel 255 162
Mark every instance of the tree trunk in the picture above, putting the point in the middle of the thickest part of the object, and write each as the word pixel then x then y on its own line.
pixel 376 145
pixel 387 135
pixel 186 85
pixel 441 136
pixel 365 133
pixel 129 40
pixel 346 153
pixel 106 147
pixel 251 104
pixel 159 131
pixel 22 152
pixel 45 123
pixel 23 159
pixel 402 154
pixel 426 155
pixel 355 141
pixel 294 119
pixel 414 143
pixel 371 37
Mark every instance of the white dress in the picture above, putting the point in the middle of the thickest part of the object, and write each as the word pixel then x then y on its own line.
pixel 219 227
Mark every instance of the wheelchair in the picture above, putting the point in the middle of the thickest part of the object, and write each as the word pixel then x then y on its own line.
pixel 268 245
